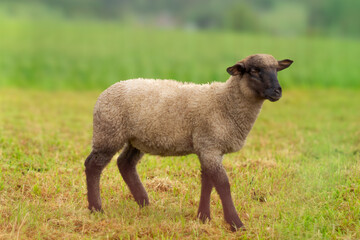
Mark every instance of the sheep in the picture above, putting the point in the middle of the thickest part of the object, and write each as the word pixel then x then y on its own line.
pixel 169 118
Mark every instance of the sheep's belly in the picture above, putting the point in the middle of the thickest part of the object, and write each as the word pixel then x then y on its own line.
pixel 236 146
pixel 164 148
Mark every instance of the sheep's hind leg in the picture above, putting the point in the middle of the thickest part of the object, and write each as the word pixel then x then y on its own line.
pixel 204 205
pixel 126 162
pixel 94 164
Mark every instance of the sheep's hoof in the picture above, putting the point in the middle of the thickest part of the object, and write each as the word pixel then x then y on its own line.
pixel 235 228
pixel 143 202
pixel 94 209
pixel 204 217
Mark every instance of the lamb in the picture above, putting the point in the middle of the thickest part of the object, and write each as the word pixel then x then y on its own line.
pixel 169 118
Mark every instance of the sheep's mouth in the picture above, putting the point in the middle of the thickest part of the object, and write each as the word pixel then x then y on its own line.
pixel 273 98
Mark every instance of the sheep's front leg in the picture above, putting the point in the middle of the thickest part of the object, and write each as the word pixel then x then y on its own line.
pixel 211 165
pixel 126 162
pixel 204 205
pixel 94 164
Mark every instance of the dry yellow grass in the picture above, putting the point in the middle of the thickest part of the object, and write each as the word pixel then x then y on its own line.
pixel 296 178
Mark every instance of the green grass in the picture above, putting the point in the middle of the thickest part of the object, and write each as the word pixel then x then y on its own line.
pixel 296 178
pixel 54 54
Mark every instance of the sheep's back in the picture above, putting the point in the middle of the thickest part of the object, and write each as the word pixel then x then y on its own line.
pixel 156 116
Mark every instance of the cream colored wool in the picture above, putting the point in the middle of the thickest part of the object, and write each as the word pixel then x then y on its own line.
pixel 165 117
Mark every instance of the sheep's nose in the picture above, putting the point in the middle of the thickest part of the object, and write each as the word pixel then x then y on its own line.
pixel 278 91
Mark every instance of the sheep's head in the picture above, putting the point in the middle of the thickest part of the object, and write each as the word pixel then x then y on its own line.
pixel 260 73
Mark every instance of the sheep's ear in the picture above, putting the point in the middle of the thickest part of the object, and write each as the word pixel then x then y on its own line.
pixel 284 64
pixel 237 69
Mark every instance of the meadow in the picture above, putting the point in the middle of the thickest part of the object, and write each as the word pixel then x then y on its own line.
pixel 83 55
pixel 296 178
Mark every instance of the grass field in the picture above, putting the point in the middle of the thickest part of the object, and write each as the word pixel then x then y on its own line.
pixel 92 55
pixel 296 178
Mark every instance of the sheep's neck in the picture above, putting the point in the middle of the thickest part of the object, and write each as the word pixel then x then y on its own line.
pixel 241 109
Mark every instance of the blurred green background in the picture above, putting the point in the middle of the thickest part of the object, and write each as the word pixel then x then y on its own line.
pixel 90 44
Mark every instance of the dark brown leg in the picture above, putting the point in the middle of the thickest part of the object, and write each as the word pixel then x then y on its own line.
pixel 223 188
pixel 212 166
pixel 204 206
pixel 94 164
pixel 127 166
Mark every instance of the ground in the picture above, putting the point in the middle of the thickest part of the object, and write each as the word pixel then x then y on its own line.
pixel 297 176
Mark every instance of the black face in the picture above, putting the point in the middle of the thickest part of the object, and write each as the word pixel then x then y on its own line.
pixel 264 82
pixel 261 73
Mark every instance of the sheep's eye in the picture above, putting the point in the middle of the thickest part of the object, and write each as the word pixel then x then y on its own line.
pixel 254 71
